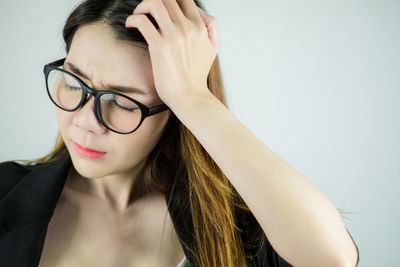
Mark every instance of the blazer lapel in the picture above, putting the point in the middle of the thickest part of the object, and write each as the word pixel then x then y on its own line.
pixel 36 195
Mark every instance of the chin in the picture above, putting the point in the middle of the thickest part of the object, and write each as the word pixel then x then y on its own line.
pixel 88 168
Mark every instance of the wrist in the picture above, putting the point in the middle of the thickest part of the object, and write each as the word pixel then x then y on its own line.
pixel 196 97
pixel 189 105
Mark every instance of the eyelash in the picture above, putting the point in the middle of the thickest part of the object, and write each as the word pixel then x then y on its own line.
pixel 123 108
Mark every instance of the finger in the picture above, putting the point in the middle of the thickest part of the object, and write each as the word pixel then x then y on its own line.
pixel 144 25
pixel 174 11
pixel 211 25
pixel 189 9
pixel 203 16
pixel 158 11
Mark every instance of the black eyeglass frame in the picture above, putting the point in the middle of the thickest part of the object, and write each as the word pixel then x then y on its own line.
pixel 145 110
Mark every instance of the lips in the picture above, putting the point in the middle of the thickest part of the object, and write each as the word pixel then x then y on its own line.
pixel 87 152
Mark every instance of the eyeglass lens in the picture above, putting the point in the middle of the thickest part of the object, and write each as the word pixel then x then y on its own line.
pixel 118 112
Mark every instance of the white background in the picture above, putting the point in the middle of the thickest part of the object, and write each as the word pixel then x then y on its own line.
pixel 317 81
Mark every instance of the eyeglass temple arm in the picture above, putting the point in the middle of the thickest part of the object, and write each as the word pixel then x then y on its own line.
pixel 57 63
pixel 157 109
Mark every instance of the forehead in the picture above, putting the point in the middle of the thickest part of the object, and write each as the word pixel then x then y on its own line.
pixel 96 51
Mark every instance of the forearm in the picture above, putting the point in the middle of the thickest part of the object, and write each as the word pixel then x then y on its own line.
pixel 302 225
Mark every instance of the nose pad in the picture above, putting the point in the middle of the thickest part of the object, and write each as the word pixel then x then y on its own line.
pixel 85 117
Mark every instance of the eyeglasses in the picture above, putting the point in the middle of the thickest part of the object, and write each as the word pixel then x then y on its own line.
pixel 117 112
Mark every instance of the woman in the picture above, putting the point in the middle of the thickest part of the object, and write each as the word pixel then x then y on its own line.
pixel 150 168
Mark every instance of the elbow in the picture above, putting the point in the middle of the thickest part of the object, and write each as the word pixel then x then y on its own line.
pixel 348 261
pixel 348 258
pixel 351 257
pixel 347 264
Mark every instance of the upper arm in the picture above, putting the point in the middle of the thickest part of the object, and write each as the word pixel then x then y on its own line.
pixel 264 252
pixel 258 249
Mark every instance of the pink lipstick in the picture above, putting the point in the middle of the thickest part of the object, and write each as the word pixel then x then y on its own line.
pixel 88 153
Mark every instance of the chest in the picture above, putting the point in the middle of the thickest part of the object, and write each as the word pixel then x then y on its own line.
pixel 90 236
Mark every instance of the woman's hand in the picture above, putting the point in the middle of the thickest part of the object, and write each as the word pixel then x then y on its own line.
pixel 182 50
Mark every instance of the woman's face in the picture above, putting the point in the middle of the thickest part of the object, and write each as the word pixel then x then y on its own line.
pixel 107 61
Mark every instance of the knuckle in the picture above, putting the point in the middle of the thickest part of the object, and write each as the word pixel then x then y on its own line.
pixel 130 20
pixel 163 44
pixel 180 39
pixel 190 27
pixel 137 8
pixel 197 25
pixel 144 5
pixel 139 18
pixel 165 49
pixel 195 29
pixel 154 3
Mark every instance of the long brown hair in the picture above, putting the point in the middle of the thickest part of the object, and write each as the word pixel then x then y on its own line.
pixel 178 160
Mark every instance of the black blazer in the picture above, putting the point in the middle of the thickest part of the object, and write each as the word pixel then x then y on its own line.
pixel 28 197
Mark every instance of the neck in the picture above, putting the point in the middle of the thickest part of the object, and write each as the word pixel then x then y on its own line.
pixel 116 191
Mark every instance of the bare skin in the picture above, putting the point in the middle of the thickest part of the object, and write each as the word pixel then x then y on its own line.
pixel 86 231
pixel 100 219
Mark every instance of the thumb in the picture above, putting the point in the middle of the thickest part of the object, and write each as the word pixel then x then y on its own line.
pixel 211 25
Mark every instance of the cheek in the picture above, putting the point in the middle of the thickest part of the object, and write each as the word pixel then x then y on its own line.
pixel 63 118
pixel 155 124
pixel 146 137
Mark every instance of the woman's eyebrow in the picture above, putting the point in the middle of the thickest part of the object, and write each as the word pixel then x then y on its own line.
pixel 118 88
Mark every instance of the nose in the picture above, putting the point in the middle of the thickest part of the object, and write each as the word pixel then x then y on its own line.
pixel 85 117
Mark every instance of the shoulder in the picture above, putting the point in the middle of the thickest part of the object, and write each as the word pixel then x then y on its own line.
pixel 10 174
pixel 13 168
